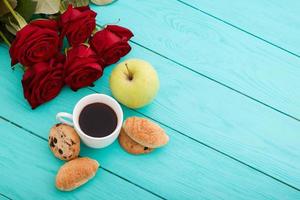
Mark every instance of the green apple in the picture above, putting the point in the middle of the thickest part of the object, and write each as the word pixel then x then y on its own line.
pixel 134 83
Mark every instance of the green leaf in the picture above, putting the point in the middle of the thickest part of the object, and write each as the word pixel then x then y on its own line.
pixel 12 27
pixel 21 21
pixel 47 6
pixel 4 10
pixel 7 34
pixel 26 8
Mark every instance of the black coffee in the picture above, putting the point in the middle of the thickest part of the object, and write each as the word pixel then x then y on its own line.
pixel 98 120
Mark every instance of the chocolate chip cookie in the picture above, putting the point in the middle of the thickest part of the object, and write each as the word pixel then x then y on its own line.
pixel 64 142
pixel 131 146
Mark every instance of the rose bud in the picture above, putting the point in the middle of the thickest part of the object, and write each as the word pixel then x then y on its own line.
pixel 77 24
pixel 43 81
pixel 111 43
pixel 38 41
pixel 81 67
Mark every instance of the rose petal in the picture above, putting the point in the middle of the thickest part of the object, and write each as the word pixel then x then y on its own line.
pixel 122 32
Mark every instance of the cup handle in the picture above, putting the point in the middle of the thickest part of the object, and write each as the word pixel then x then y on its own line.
pixel 61 115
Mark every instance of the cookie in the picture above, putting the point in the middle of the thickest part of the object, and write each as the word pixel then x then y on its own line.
pixel 64 142
pixel 75 173
pixel 145 132
pixel 131 146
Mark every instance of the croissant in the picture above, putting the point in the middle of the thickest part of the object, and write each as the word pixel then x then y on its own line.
pixel 75 173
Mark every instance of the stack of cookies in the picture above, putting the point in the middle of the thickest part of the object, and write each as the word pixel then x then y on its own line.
pixel 141 136
pixel 65 145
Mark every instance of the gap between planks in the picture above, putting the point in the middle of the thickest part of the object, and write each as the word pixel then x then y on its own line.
pixel 3 195
pixel 240 29
pixel 216 81
pixel 183 134
pixel 213 148
pixel 195 140
pixel 100 167
pixel 212 79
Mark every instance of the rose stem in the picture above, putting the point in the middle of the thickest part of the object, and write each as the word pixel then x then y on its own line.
pixel 130 77
pixel 7 4
pixel 5 39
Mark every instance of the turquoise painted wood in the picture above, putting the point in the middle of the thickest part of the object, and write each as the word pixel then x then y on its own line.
pixel 28 169
pixel 3 197
pixel 223 145
pixel 224 126
pixel 212 48
pixel 276 21
pixel 196 177
pixel 66 101
pixel 193 173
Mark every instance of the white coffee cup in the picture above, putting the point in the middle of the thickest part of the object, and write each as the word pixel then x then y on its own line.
pixel 73 119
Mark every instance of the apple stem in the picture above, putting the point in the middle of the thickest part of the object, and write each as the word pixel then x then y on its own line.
pixel 130 77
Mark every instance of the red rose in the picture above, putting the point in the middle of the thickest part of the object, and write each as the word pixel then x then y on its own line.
pixel 77 24
pixel 37 42
pixel 111 43
pixel 81 67
pixel 43 81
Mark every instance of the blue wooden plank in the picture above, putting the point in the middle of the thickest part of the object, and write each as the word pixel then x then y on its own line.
pixel 189 172
pixel 28 169
pixel 4 197
pixel 222 119
pixel 209 122
pixel 277 22
pixel 214 123
pixel 212 48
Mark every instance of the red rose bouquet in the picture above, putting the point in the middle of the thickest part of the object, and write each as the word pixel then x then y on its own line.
pixel 38 47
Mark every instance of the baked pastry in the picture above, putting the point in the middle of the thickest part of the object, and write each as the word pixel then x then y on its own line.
pixel 75 173
pixel 145 132
pixel 131 146
pixel 64 142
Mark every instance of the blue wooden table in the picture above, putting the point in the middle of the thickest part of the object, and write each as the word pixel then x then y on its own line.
pixel 229 99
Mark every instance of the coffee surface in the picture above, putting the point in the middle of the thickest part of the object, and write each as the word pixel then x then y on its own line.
pixel 98 120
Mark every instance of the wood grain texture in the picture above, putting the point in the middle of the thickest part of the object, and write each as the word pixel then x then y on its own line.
pixel 3 197
pixel 238 126
pixel 222 119
pixel 276 21
pixel 212 48
pixel 189 172
pixel 28 169
pixel 184 166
